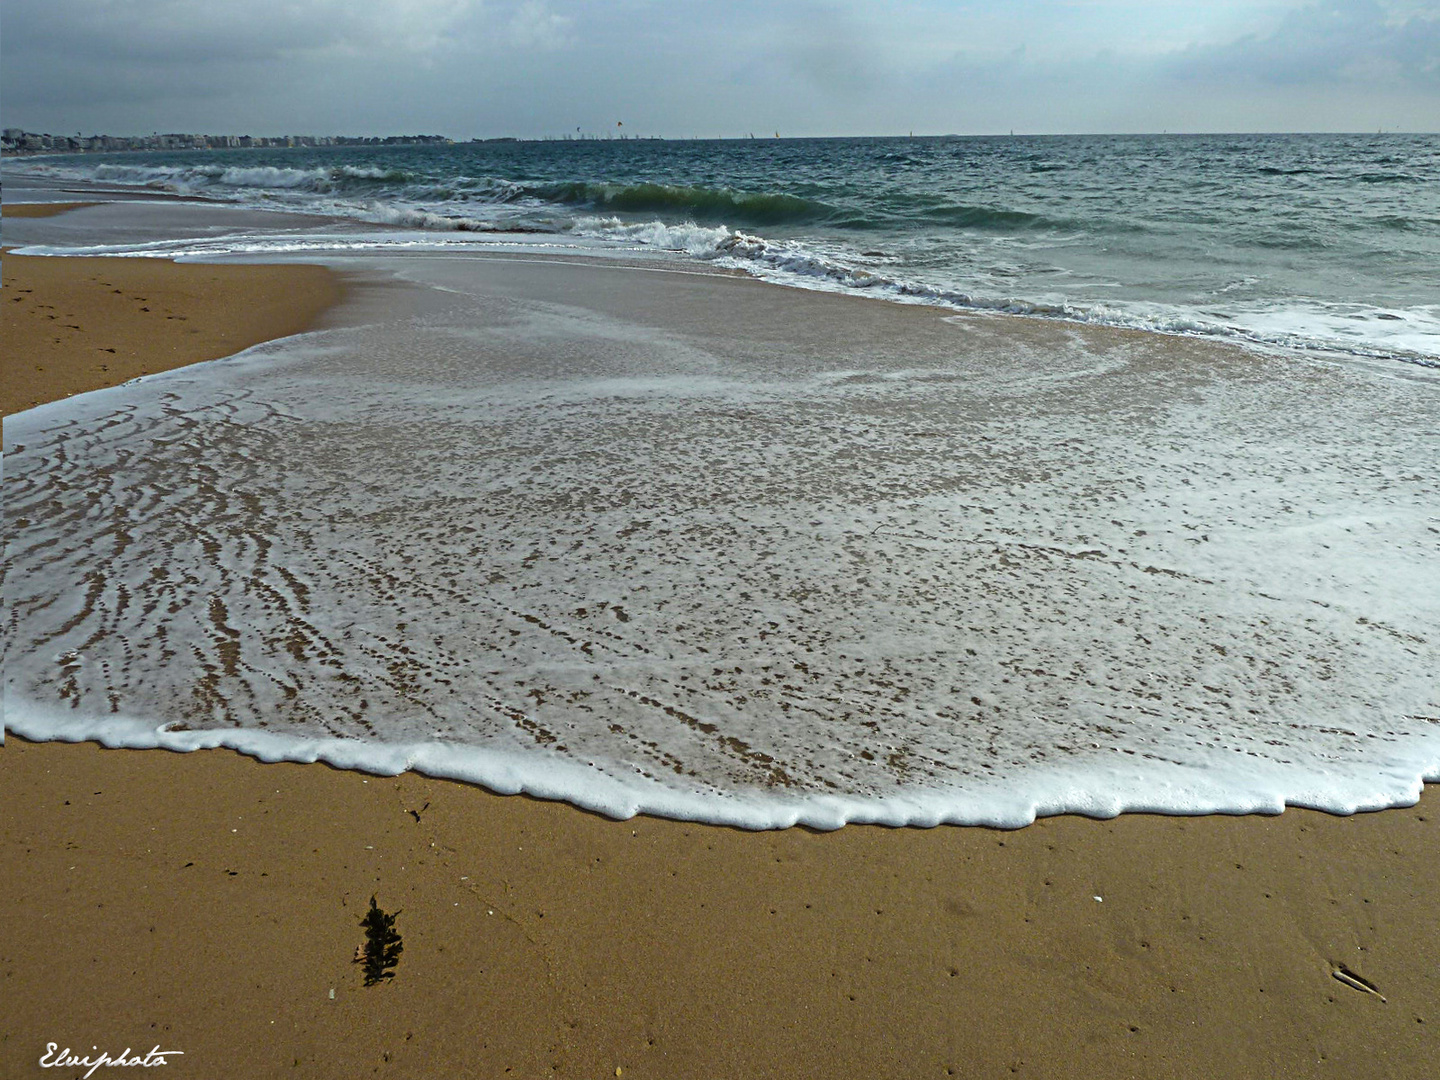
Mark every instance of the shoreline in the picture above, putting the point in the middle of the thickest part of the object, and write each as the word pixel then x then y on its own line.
pixel 215 900
pixel 95 322
pixel 1314 324
pixel 502 775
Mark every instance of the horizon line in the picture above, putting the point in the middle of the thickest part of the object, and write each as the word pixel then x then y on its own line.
pixel 608 135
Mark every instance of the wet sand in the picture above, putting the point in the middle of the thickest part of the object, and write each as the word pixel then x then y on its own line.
pixel 210 904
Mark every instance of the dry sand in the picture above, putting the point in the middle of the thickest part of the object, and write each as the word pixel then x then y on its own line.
pixel 77 325
pixel 210 904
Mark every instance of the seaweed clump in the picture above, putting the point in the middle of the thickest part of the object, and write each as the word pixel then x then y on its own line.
pixel 381 951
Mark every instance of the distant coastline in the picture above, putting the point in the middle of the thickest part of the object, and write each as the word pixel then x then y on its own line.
pixel 18 142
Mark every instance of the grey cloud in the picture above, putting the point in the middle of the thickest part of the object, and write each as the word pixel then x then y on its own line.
pixel 130 64
pixel 695 67
pixel 824 47
pixel 1344 41
pixel 534 26
pixel 162 31
pixel 114 32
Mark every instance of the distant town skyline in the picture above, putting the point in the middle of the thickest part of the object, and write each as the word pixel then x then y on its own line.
pixel 546 68
pixel 20 141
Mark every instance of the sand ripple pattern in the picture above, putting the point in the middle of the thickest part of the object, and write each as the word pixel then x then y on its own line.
pixel 1083 571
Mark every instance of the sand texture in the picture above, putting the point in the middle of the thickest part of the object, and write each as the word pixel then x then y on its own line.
pixel 210 904
pixel 74 326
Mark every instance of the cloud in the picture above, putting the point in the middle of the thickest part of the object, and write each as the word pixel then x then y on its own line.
pixel 115 32
pixel 1340 42
pixel 688 67
pixel 824 47
pixel 132 64
pixel 534 26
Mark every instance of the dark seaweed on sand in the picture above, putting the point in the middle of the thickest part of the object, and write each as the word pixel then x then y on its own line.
pixel 382 945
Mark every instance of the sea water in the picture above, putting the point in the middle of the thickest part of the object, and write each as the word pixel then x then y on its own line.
pixel 1305 242
pixel 652 541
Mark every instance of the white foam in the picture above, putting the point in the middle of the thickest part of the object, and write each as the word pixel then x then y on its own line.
pixel 269 245
pixel 698 240
pixel 1095 792
pixel 267 176
pixel 550 550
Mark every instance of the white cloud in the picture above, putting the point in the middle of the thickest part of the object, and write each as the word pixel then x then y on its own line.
pixel 534 26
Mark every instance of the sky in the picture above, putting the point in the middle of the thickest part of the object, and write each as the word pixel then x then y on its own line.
pixel 676 68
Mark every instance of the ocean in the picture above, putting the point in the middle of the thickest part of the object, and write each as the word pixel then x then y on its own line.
pixel 1323 243
pixel 583 513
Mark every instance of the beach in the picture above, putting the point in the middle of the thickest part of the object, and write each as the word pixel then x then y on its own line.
pixel 211 904
pixel 208 903
pixel 105 327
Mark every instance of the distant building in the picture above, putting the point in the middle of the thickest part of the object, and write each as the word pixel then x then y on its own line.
pixel 17 141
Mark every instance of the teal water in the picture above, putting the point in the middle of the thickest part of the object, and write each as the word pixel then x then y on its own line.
pixel 1319 243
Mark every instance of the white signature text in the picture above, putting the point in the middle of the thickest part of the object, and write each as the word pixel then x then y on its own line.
pixel 64 1059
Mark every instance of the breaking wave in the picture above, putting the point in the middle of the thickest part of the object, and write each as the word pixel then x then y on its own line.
pixel 700 203
pixel 197 178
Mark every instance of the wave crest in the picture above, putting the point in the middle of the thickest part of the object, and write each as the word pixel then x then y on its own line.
pixel 703 204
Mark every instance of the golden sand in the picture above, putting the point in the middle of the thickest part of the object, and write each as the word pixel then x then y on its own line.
pixel 72 325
